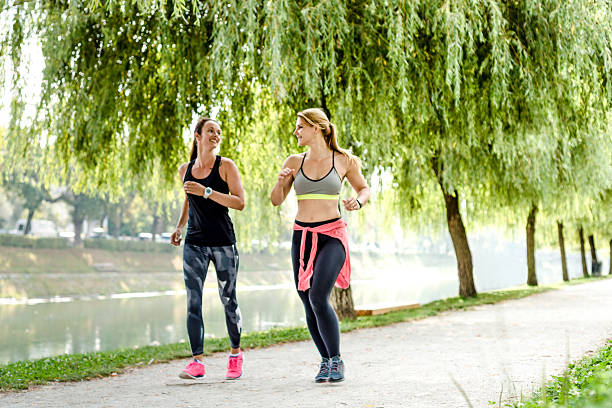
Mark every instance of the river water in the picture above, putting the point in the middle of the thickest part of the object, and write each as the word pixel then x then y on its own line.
pixel 41 328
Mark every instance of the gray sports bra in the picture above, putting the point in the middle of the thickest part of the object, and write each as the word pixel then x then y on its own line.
pixel 326 188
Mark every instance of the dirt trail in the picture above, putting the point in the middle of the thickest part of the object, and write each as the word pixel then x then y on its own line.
pixel 488 352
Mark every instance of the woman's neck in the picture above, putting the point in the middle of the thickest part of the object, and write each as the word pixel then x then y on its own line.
pixel 205 158
pixel 318 150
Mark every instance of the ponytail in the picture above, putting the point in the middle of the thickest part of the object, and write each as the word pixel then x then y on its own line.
pixel 194 150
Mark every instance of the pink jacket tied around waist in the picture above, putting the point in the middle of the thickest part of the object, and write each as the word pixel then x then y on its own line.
pixel 336 229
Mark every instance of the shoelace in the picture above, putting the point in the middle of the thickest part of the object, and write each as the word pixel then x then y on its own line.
pixel 324 369
pixel 335 365
pixel 233 363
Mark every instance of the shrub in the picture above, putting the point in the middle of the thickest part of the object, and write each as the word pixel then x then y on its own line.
pixel 23 241
pixel 136 246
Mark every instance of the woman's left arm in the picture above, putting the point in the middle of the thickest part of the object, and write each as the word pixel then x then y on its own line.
pixel 229 173
pixel 358 182
pixel 235 199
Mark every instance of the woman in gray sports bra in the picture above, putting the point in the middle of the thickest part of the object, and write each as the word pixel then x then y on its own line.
pixel 326 188
pixel 319 248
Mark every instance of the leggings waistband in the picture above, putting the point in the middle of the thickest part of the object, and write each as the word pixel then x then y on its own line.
pixel 315 224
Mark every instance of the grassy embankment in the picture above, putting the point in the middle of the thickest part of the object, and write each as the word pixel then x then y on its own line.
pixel 24 374
pixel 46 273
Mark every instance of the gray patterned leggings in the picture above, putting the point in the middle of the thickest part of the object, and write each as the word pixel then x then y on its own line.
pixel 195 266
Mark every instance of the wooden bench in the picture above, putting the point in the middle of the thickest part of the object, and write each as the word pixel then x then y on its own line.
pixel 104 267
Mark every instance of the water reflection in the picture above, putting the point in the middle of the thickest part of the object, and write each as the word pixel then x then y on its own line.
pixel 34 331
pixel 29 331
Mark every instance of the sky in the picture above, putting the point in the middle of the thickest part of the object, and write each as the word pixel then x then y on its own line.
pixel 31 71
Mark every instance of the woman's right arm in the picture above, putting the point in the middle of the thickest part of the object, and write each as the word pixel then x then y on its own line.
pixel 284 182
pixel 175 238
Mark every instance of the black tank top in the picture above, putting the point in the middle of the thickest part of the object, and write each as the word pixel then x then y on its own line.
pixel 209 222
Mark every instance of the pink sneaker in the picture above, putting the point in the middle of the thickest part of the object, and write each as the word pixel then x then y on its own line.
pixel 234 367
pixel 193 371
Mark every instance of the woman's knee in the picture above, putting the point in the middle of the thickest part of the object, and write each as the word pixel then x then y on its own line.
pixel 194 302
pixel 318 302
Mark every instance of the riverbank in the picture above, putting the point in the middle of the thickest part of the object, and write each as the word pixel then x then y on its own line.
pixel 483 354
pixel 23 261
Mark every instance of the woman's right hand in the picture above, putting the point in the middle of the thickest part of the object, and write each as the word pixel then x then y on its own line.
pixel 283 184
pixel 285 175
pixel 175 238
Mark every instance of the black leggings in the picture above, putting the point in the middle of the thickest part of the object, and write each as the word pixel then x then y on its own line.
pixel 320 316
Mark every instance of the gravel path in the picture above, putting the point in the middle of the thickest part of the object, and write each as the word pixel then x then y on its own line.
pixel 487 353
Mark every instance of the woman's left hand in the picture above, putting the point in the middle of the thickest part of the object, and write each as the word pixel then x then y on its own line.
pixel 351 204
pixel 191 187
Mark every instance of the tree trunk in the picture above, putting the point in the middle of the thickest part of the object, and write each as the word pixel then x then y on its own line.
pixel 78 231
pixel 595 264
pixel 113 221
pixel 342 301
pixel 610 272
pixel 593 250
pixel 532 279
pixel 154 227
pixel 585 271
pixel 562 248
pixel 78 217
pixel 28 226
pixel 465 268
pixel 456 229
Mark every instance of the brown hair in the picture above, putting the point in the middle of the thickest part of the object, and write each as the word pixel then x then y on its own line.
pixel 317 117
pixel 198 129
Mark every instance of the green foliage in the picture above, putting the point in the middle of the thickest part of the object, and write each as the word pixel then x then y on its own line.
pixel 457 80
pixel 586 384
pixel 30 242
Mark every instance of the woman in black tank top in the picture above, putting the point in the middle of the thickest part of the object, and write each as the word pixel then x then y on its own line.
pixel 212 185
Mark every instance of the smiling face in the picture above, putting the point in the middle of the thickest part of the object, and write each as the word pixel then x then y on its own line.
pixel 304 132
pixel 210 135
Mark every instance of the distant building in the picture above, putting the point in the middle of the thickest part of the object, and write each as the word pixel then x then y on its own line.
pixel 38 228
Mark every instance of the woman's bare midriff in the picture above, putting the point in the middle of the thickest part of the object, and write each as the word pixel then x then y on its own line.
pixel 317 210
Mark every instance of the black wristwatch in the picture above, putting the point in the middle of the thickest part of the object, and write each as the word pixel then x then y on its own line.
pixel 359 202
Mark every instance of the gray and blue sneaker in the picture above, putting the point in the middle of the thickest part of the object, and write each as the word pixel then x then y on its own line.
pixel 323 375
pixel 336 369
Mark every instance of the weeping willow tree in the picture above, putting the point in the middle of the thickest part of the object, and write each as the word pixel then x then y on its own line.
pixel 477 92
pixel 440 94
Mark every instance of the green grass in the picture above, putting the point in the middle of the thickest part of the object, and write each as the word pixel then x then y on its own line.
pixel 24 374
pixel 586 384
